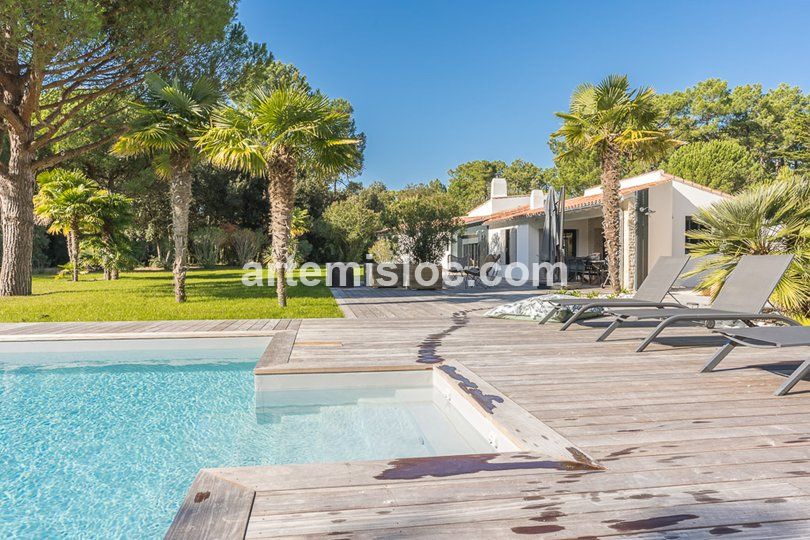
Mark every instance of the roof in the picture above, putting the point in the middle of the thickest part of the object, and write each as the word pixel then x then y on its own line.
pixel 473 220
pixel 586 201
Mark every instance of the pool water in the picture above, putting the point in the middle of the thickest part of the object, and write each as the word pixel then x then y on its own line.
pixel 108 451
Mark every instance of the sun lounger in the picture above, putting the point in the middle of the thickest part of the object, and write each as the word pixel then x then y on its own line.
pixel 651 293
pixel 766 337
pixel 744 294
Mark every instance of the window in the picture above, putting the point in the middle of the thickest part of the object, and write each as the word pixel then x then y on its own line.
pixel 690 225
pixel 570 242
pixel 470 250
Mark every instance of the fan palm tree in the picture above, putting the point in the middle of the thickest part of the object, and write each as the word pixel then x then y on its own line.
pixel 617 123
pixel 168 119
pixel 114 213
pixel 66 201
pixel 274 134
pixel 765 219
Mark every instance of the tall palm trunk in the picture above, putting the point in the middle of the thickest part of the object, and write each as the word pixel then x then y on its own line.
pixel 17 207
pixel 73 250
pixel 281 191
pixel 611 212
pixel 180 191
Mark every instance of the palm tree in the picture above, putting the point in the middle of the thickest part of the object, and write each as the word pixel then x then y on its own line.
pixel 618 124
pixel 765 219
pixel 168 119
pixel 114 213
pixel 66 201
pixel 274 134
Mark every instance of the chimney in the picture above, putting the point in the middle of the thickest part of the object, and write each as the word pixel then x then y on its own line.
pixel 497 188
pixel 536 199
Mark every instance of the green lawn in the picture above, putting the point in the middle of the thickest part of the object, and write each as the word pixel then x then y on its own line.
pixel 148 295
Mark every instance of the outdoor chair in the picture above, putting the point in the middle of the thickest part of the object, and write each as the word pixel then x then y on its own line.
pixel 650 293
pixel 744 294
pixel 475 272
pixel 456 265
pixel 766 338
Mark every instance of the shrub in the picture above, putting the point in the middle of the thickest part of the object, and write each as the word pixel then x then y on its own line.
pixel 206 245
pixel 247 244
pixel 383 250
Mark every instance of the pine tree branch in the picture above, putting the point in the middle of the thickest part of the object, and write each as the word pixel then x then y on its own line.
pixel 56 159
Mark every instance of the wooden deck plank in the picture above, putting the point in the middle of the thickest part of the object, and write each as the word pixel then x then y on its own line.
pixel 213 508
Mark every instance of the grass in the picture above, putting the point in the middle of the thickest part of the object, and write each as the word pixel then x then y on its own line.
pixel 148 296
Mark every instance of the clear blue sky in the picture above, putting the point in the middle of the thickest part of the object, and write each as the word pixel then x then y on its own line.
pixel 437 83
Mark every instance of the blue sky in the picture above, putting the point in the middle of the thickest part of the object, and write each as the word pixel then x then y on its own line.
pixel 438 83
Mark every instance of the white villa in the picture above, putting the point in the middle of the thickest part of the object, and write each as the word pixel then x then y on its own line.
pixel 657 211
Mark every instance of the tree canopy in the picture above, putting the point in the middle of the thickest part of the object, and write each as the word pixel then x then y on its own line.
pixel 719 164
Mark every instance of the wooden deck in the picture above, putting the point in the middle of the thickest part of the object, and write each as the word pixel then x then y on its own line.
pixel 687 455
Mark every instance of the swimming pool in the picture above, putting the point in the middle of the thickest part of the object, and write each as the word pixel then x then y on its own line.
pixel 94 444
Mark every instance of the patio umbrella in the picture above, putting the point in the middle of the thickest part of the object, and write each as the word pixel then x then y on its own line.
pixel 550 237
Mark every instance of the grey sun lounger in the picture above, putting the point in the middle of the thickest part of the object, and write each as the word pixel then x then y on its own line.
pixel 651 293
pixel 744 294
pixel 766 337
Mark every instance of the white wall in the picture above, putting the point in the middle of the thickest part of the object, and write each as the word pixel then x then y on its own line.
pixel 652 176
pixel 659 232
pixel 521 246
pixel 686 200
pixel 521 250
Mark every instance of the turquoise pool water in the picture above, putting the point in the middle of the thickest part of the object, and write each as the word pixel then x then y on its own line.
pixel 109 451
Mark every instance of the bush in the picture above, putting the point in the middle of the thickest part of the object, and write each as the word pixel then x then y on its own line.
pixel 383 250
pixel 206 245
pixel 40 259
pixel 247 245
pixel 298 251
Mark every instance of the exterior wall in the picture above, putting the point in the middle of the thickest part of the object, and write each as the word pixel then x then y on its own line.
pixel 533 229
pixel 686 200
pixel 497 240
pixel 660 222
pixel 520 246
pixel 582 226
pixel 634 181
pixel 521 250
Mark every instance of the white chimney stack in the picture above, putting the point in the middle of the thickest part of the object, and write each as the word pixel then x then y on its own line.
pixel 537 199
pixel 497 188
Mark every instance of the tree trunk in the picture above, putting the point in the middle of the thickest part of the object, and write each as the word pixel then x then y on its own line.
pixel 73 250
pixel 281 191
pixel 113 273
pixel 180 191
pixel 611 212
pixel 17 206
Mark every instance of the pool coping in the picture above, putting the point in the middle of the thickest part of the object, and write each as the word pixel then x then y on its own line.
pixel 10 338
pixel 219 501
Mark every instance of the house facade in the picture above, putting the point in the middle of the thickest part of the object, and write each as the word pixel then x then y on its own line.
pixel 656 212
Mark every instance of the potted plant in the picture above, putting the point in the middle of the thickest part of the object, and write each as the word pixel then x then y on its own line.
pixel 426 222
